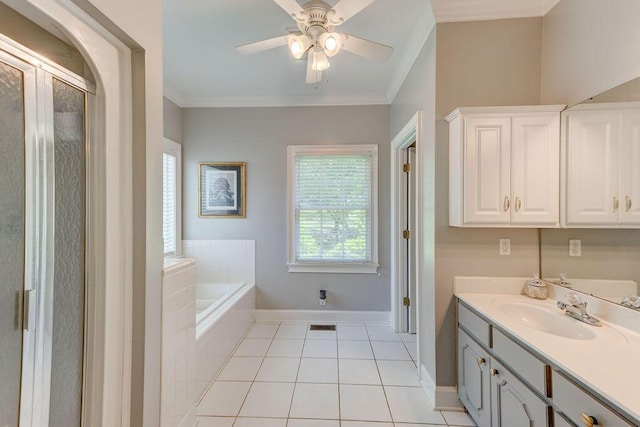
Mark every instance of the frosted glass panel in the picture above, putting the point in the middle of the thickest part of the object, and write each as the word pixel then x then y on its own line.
pixel 69 278
pixel 12 160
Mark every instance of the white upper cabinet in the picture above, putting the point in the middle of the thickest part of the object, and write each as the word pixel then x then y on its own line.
pixel 504 166
pixel 601 164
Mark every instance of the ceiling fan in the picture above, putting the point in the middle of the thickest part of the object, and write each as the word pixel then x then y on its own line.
pixel 317 21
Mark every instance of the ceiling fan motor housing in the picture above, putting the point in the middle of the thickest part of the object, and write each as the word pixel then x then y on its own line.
pixel 315 21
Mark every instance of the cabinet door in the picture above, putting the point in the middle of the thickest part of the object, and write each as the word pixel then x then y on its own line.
pixel 592 168
pixel 513 404
pixel 487 198
pixel 536 170
pixel 473 379
pixel 630 167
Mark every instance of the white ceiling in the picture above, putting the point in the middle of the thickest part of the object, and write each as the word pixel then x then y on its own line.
pixel 203 69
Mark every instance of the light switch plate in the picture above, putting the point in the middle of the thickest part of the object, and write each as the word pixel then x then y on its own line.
pixel 575 247
pixel 505 246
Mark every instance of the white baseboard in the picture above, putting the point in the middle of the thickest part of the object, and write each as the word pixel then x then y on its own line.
pixel 442 398
pixel 428 385
pixel 381 317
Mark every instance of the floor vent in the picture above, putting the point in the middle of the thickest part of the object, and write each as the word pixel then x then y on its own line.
pixel 322 327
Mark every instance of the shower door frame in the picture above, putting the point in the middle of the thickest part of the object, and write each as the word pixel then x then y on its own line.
pixel 37 315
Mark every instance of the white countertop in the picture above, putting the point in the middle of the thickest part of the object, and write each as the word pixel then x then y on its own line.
pixel 608 364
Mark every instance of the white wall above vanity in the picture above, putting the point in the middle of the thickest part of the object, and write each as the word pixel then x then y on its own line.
pixel 524 362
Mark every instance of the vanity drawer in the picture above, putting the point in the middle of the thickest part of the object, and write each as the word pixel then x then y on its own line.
pixel 573 402
pixel 474 325
pixel 528 367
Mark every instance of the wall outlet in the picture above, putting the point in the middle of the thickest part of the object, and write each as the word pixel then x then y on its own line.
pixel 505 246
pixel 323 297
pixel 575 247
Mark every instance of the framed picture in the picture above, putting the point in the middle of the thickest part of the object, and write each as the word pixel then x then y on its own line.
pixel 222 190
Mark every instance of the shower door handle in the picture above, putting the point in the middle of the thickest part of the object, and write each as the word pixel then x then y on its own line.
pixel 28 310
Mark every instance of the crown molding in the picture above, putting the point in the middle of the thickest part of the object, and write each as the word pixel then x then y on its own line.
pixel 287 101
pixel 421 31
pixel 173 95
pixel 473 10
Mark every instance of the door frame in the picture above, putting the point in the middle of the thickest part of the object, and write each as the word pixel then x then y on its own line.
pixel 410 133
pixel 109 278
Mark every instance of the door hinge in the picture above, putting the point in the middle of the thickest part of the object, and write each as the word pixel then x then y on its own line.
pixel 406 301
pixel 406 234
pixel 406 167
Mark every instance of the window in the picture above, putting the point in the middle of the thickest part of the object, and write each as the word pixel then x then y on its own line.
pixel 171 206
pixel 332 212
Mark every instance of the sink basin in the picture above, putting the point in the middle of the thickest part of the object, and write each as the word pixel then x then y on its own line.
pixel 550 322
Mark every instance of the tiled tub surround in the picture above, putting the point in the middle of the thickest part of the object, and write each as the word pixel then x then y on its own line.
pixel 220 333
pixel 607 365
pixel 285 375
pixel 222 261
pixel 178 391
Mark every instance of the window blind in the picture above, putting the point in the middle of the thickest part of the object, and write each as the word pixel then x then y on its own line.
pixel 169 203
pixel 332 203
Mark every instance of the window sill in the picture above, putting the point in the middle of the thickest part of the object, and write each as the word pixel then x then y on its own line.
pixel 333 268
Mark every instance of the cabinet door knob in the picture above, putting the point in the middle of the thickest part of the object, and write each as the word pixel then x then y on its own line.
pixel 588 420
pixel 493 372
pixel 616 204
pixel 506 203
pixel 481 360
pixel 628 202
pixel 518 204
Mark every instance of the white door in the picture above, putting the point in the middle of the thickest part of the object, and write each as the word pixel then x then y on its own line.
pixel 630 167
pixel 487 178
pixel 536 170
pixel 592 168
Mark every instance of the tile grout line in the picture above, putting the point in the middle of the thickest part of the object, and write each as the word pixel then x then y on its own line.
pixel 254 377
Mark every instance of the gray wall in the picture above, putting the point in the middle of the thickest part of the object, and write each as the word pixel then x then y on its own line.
pixel 259 137
pixel 171 120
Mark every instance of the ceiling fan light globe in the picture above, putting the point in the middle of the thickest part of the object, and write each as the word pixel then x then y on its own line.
pixel 319 61
pixel 331 43
pixel 298 45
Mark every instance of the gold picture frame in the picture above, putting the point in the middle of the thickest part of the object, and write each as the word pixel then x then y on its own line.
pixel 222 190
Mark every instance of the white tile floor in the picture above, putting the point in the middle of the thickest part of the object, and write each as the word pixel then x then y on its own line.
pixel 284 375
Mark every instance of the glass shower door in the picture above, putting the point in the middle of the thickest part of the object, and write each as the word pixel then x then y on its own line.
pixel 12 236
pixel 42 242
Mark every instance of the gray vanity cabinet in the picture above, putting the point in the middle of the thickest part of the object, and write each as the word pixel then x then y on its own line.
pixel 473 379
pixel 512 403
pixel 490 392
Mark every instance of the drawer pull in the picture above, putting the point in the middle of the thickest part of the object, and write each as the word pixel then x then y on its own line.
pixel 628 201
pixel 588 420
pixel 506 204
pixel 494 372
pixel 518 204
pixel 616 204
pixel 481 360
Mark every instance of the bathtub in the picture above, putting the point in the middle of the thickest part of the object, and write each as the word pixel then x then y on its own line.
pixel 224 313
pixel 210 296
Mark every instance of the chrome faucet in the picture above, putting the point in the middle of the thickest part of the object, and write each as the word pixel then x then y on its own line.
pixel 631 301
pixel 577 308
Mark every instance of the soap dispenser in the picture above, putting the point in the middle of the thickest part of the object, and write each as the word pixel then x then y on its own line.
pixel 535 288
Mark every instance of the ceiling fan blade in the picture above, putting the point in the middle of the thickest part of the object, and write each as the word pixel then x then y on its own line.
pixel 260 46
pixel 313 76
pixel 345 9
pixel 292 7
pixel 366 48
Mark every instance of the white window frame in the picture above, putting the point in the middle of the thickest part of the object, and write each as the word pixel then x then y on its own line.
pixel 295 266
pixel 174 149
